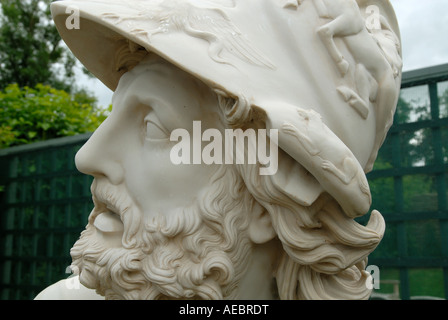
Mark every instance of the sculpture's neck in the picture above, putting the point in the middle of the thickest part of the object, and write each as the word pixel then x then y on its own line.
pixel 257 283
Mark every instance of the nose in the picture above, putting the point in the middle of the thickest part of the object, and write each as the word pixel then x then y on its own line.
pixel 100 156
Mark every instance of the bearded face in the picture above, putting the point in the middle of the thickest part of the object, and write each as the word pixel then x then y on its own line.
pixel 166 231
pixel 194 252
pixel 160 230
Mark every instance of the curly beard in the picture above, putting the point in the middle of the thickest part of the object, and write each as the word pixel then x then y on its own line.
pixel 198 252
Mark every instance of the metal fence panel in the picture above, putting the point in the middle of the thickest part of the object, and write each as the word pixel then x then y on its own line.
pixel 409 186
pixel 44 207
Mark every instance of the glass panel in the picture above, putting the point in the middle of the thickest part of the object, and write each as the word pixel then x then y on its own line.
pixel 413 105
pixel 60 159
pixel 17 245
pixel 15 216
pixel 18 191
pixel 58 246
pixel 59 216
pixel 77 187
pixel 41 272
pixel 382 190
pixel 416 148
pixel 28 217
pixel 442 89
pixel 423 238
pixel 426 282
pixel 46 161
pixel 26 273
pixel 43 213
pixel 419 193
pixel 29 190
pixel 60 187
pixel 19 166
pixel 384 158
pixel 9 221
pixel 45 189
pixel 444 136
pixel 27 246
pixel 29 165
pixel 42 245
pixel 388 245
pixel 446 194
pixel 76 215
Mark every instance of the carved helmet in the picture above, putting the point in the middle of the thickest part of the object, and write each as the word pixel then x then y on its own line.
pixel 293 59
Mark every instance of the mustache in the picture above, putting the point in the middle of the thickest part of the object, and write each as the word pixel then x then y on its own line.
pixel 109 197
pixel 115 199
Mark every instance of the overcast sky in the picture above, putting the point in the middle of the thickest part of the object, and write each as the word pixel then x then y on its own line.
pixel 424 34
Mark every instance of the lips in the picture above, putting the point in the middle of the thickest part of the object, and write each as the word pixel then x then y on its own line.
pixel 108 222
pixel 110 203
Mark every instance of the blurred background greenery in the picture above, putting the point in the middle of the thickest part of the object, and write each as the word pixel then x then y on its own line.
pixel 40 96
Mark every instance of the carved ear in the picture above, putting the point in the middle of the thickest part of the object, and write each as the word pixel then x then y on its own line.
pixel 260 227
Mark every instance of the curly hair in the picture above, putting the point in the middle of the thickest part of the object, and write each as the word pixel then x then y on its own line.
pixel 324 251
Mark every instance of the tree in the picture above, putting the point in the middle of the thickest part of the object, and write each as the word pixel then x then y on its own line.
pixel 39 99
pixel 35 114
pixel 31 50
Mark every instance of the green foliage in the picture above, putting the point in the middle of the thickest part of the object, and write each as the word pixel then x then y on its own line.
pixel 41 113
pixel 31 50
pixel 38 99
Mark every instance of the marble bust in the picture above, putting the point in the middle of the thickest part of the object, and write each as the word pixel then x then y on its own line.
pixel 318 78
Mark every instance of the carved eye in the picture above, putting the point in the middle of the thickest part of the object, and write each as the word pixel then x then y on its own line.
pixel 154 129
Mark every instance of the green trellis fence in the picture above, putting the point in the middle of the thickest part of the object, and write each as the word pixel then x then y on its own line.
pixel 44 207
pixel 409 187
